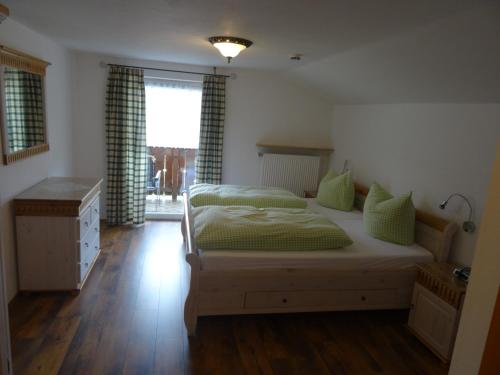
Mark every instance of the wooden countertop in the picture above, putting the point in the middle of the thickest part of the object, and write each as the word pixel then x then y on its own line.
pixel 57 196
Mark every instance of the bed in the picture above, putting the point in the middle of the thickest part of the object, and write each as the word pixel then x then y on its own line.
pixel 371 274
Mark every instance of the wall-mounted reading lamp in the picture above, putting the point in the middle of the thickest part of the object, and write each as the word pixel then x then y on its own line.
pixel 468 225
pixel 345 167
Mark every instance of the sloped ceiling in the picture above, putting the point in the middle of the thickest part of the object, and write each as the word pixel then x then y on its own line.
pixel 355 51
pixel 453 60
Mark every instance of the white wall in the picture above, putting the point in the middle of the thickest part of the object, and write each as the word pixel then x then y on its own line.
pixel 262 107
pixel 19 176
pixel 259 107
pixel 483 287
pixel 431 149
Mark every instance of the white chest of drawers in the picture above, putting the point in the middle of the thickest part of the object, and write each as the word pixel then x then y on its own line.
pixel 57 226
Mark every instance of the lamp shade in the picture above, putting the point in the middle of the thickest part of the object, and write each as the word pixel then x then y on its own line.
pixel 228 49
pixel 229 46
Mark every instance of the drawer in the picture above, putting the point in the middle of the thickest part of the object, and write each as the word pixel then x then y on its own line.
pixel 324 298
pixel 95 228
pixel 433 320
pixel 85 222
pixel 96 244
pixel 88 243
pixel 86 249
pixel 208 301
pixel 84 269
pixel 94 210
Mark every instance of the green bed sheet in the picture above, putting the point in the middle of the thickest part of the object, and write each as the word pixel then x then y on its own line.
pixel 236 195
pixel 250 228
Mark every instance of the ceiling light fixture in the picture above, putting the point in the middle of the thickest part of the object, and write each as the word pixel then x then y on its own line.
pixel 229 46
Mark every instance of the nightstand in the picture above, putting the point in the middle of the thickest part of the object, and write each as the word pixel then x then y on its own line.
pixel 309 194
pixel 436 306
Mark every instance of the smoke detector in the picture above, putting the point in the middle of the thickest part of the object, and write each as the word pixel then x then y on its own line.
pixel 4 12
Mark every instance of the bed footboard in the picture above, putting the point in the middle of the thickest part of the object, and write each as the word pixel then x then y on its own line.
pixel 301 290
pixel 191 303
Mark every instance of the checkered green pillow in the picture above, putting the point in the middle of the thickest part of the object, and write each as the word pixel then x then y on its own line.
pixel 336 191
pixel 388 218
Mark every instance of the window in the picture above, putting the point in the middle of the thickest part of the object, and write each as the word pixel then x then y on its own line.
pixel 173 111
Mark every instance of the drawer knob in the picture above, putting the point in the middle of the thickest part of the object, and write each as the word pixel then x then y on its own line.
pixel 86 223
pixel 363 298
pixel 284 300
pixel 86 264
pixel 86 244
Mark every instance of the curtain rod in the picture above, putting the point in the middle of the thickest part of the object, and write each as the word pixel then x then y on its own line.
pixel 169 70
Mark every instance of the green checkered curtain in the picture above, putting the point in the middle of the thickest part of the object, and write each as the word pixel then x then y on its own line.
pixel 23 109
pixel 126 146
pixel 209 158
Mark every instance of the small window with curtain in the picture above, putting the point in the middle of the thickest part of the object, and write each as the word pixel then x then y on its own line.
pixel 173 109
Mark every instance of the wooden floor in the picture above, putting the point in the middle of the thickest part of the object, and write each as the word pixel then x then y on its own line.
pixel 128 319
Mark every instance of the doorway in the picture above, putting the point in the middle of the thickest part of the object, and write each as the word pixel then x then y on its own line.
pixel 173 110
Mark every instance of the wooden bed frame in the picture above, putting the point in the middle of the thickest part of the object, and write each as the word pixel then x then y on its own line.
pixel 282 290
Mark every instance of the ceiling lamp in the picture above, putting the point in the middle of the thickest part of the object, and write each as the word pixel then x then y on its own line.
pixel 229 46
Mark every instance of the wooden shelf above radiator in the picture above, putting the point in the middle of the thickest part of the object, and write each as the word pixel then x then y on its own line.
pixel 265 148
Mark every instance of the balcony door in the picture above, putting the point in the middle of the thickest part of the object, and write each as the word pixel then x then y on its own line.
pixel 173 109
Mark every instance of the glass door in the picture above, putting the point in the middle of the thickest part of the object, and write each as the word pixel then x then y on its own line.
pixel 173 110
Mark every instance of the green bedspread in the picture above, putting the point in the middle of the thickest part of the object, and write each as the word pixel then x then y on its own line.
pixel 250 228
pixel 235 195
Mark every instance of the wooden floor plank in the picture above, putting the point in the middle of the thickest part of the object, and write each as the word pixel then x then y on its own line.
pixel 129 319
pixel 54 348
pixel 252 354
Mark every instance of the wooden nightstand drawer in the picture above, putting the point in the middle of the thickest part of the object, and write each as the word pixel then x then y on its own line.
pixel 436 306
pixel 433 321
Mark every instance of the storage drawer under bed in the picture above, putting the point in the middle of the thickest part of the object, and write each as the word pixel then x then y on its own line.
pixel 213 302
pixel 294 299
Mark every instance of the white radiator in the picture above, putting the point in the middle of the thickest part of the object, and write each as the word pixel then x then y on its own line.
pixel 296 173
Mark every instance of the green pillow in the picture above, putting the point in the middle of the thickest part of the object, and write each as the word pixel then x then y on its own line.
pixel 336 191
pixel 388 218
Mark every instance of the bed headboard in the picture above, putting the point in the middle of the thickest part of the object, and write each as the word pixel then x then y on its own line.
pixel 431 231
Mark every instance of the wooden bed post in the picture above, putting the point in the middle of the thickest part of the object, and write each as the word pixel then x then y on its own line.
pixel 191 304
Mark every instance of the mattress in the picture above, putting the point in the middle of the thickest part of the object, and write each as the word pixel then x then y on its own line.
pixel 365 254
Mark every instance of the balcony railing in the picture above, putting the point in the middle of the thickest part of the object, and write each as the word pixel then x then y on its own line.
pixel 170 170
